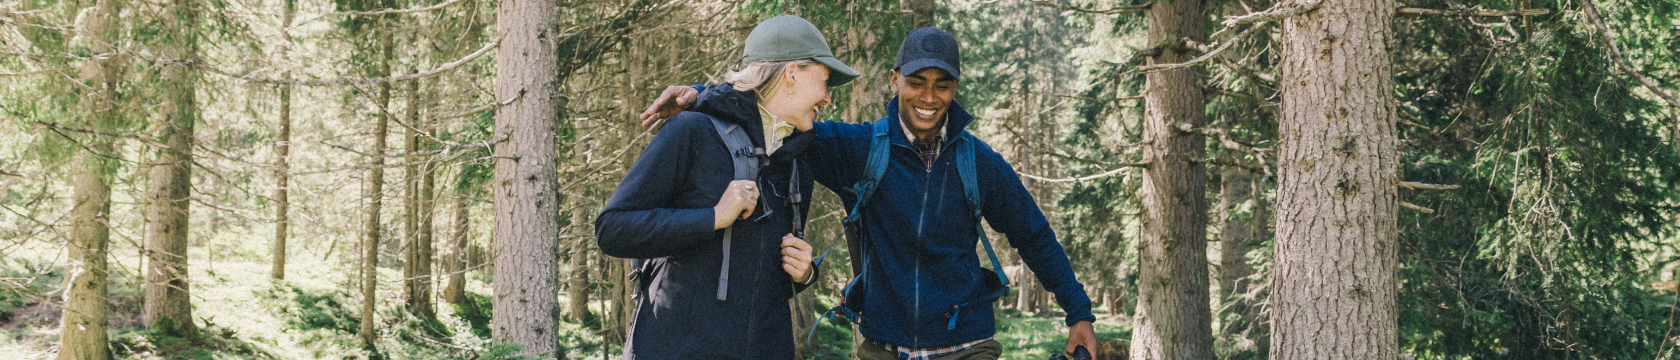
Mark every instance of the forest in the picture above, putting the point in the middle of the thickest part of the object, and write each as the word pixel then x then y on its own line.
pixel 1231 179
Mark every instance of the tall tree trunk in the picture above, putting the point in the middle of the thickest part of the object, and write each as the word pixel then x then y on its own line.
pixel 1236 187
pixel 283 149
pixel 577 287
pixel 372 234
pixel 1174 320
pixel 411 244
pixel 428 209
pixel 456 291
pixel 525 183
pixel 1334 278
pixel 922 12
pixel 168 307
pixel 84 319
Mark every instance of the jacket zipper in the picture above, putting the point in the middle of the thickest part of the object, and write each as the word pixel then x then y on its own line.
pixel 921 224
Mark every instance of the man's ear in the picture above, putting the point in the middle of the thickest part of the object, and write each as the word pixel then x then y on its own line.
pixel 892 80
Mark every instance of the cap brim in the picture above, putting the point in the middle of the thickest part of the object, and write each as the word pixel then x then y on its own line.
pixel 917 65
pixel 840 74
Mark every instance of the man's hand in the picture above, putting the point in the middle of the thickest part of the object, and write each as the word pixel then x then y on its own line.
pixel 796 258
pixel 1081 334
pixel 674 100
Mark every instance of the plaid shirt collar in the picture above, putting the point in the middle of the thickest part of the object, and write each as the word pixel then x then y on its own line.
pixel 929 149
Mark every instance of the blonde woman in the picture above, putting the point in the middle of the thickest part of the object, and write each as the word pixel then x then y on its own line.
pixel 718 243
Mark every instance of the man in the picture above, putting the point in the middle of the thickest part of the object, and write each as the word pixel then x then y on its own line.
pixel 919 265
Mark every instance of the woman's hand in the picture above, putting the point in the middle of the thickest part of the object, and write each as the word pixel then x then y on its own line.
pixel 796 258
pixel 737 202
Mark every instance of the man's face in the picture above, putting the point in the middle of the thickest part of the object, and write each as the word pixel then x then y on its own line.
pixel 924 97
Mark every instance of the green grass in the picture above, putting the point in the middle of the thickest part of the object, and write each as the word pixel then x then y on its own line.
pixel 315 314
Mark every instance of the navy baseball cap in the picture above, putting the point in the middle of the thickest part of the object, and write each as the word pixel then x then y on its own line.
pixel 929 47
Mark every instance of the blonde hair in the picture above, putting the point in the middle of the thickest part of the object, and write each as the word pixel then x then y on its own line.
pixel 763 77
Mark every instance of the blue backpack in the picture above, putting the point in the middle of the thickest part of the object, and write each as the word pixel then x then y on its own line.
pixel 876 167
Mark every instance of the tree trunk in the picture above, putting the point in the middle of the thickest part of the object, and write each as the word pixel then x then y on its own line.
pixel 526 185
pixel 372 234
pixel 1173 318
pixel 1334 275
pixel 456 291
pixel 84 317
pixel 417 244
pixel 283 149
pixel 428 210
pixel 577 288
pixel 168 307
pixel 1235 232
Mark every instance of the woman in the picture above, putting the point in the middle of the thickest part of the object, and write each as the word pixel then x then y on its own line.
pixel 722 255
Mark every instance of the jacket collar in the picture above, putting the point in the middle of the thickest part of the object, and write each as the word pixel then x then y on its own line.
pixel 723 102
pixel 956 119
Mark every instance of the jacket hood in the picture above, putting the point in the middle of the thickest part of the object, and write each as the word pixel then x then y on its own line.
pixel 957 120
pixel 732 106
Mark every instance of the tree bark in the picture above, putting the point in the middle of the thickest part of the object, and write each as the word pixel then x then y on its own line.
pixel 525 181
pixel 1236 187
pixel 85 310
pixel 1173 317
pixel 417 244
pixel 1334 278
pixel 283 149
pixel 372 233
pixel 456 291
pixel 428 210
pixel 577 287
pixel 168 307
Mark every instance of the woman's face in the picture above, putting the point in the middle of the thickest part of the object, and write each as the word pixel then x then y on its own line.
pixel 803 90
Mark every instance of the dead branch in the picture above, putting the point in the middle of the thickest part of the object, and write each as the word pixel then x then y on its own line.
pixel 1473 12
pixel 1224 139
pixel 448 147
pixel 1423 186
pixel 1198 59
pixel 1417 208
pixel 344 81
pixel 1621 61
pixel 27 73
pixel 1123 167
pixel 481 108
pixel 401 11
pixel 1277 12
pixel 1113 10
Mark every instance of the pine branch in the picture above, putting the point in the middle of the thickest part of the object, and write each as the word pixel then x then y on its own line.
pixel 1423 186
pixel 1112 10
pixel 1473 12
pixel 1621 61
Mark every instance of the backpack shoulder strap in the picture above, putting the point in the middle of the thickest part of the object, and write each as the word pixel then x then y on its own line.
pixel 876 167
pixel 963 150
pixel 746 158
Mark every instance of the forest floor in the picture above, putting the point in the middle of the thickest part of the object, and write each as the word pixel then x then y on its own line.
pixel 313 315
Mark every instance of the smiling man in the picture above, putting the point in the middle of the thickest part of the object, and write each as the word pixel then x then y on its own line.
pixel 917 186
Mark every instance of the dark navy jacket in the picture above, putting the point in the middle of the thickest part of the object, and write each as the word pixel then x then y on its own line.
pixel 920 235
pixel 663 211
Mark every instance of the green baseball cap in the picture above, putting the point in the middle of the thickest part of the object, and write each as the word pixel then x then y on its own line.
pixel 788 37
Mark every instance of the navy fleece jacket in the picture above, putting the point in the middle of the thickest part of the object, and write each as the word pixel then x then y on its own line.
pixel 919 235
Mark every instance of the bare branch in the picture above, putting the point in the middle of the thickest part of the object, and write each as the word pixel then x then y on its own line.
pixel 346 81
pixel 1621 61
pixel 1258 169
pixel 1417 208
pixel 448 147
pixel 1277 12
pixel 1423 186
pixel 1473 12
pixel 1198 59
pixel 1123 168
pixel 27 73
pixel 1224 138
pixel 1112 10
pixel 401 11
pixel 481 108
